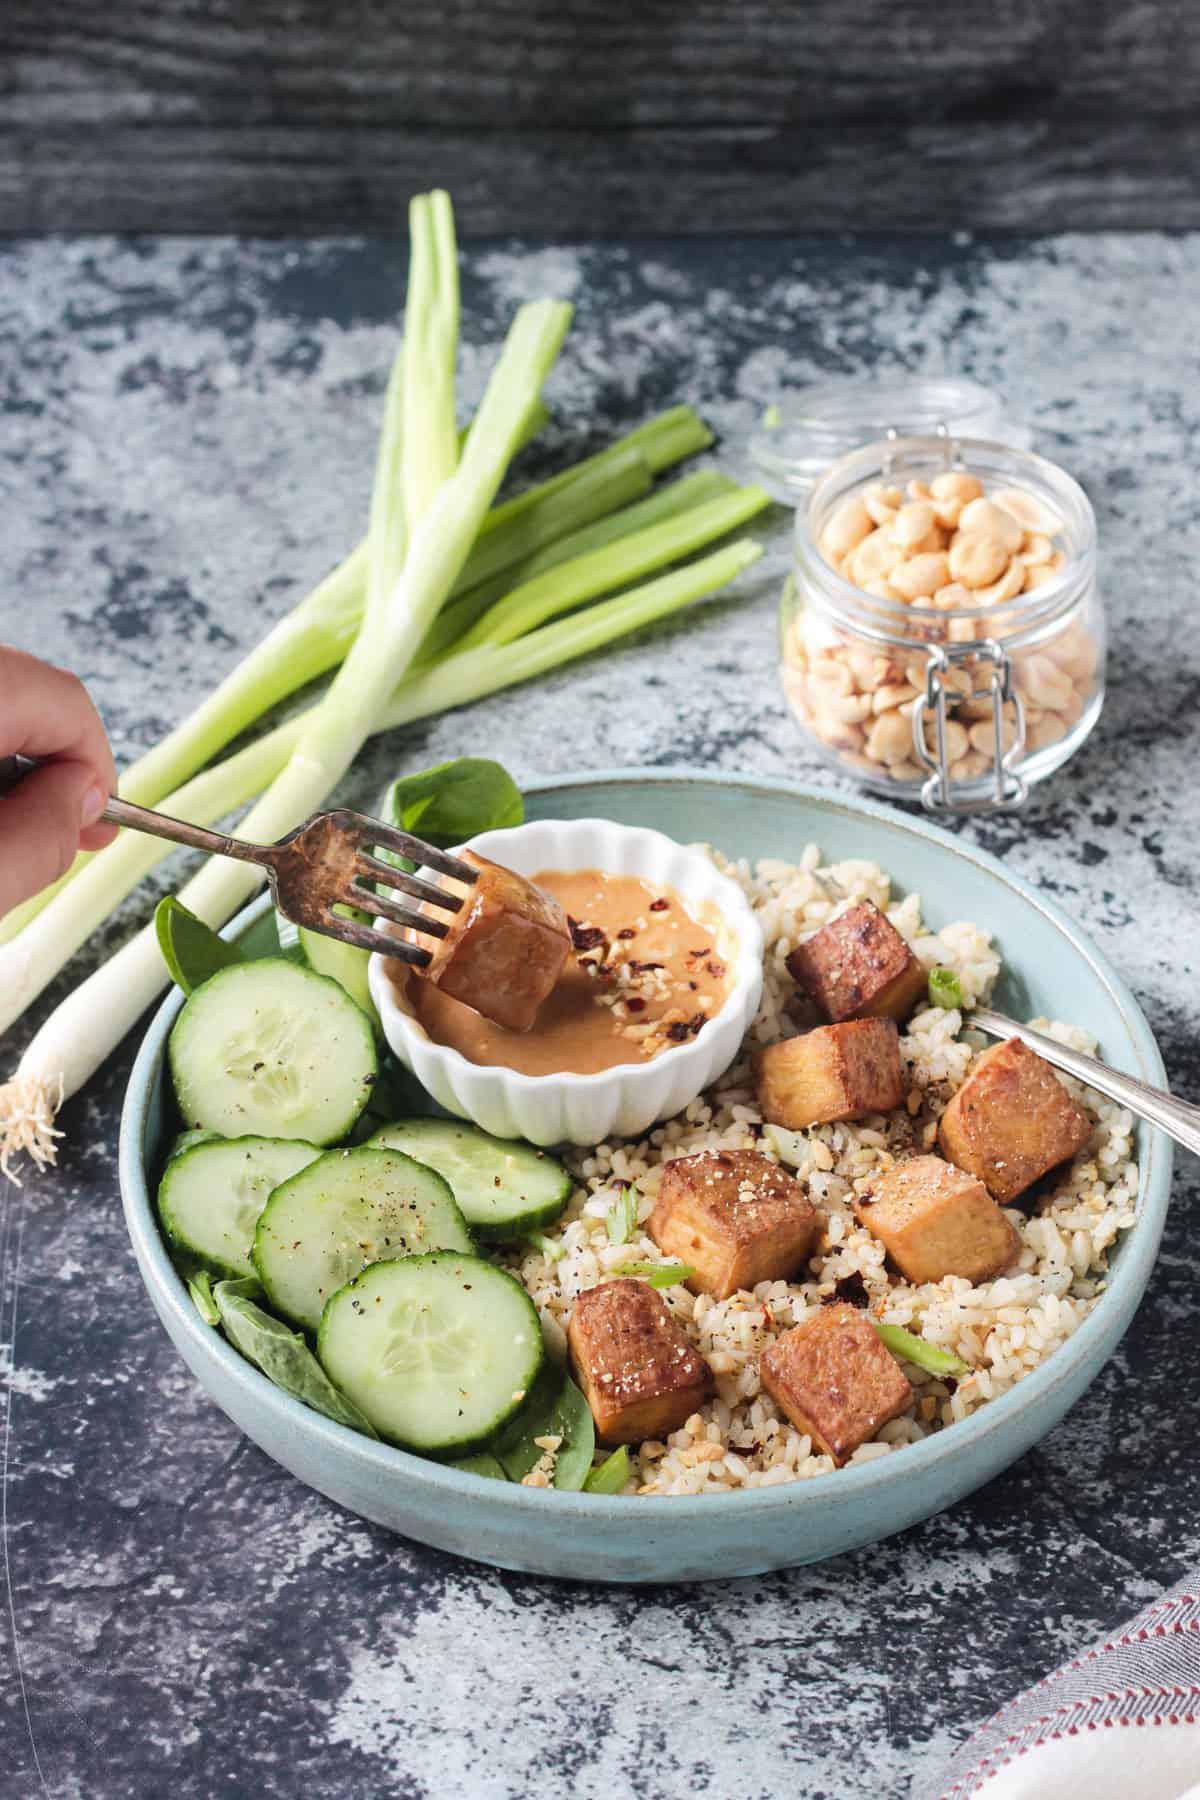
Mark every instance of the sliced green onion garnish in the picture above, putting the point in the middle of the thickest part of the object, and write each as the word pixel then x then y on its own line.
pixel 552 1248
pixel 657 1274
pixel 200 1288
pixel 621 1217
pixel 610 1476
pixel 945 989
pixel 911 1348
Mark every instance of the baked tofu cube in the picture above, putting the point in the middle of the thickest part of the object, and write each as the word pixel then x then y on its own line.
pixel 859 967
pixel 736 1217
pixel 935 1220
pixel 639 1373
pixel 834 1379
pixel 505 950
pixel 835 1072
pixel 1011 1120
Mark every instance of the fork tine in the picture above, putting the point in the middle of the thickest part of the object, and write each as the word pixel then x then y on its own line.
pixel 363 938
pixel 375 831
pixel 372 869
pixel 369 901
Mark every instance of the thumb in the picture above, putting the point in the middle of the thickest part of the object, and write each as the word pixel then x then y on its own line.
pixel 40 825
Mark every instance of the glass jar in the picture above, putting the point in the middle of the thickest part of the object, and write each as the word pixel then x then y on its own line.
pixel 959 705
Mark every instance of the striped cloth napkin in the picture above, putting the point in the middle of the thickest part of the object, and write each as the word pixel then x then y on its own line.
pixel 1119 1723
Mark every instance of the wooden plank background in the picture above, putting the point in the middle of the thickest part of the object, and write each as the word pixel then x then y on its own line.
pixel 581 118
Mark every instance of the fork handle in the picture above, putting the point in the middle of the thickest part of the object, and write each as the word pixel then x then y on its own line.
pixel 14 769
pixel 1177 1118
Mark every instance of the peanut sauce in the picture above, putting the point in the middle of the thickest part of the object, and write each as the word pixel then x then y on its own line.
pixel 645 974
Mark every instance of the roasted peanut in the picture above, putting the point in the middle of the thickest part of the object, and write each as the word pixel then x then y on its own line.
pixel 983 736
pixel 956 484
pixel 920 576
pixel 977 559
pixel 885 698
pixel 882 503
pixel 1036 550
pixel 832 673
pixel 1049 729
pixel 1007 588
pixel 969 767
pixel 989 520
pixel 1029 512
pixel 848 526
pixel 1044 682
pixel 877 555
pixel 913 524
pixel 1037 577
pixel 890 738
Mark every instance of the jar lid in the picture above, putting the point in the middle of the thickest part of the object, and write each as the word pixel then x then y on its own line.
pixel 802 436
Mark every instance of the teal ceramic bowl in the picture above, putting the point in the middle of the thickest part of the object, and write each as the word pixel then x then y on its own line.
pixel 1051 969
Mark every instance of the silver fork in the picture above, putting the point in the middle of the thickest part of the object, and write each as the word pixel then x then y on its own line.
pixel 325 862
pixel 1177 1118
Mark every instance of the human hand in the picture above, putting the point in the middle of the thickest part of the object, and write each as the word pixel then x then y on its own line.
pixel 45 712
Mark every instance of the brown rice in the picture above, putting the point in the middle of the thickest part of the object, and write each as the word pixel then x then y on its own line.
pixel 1002 1328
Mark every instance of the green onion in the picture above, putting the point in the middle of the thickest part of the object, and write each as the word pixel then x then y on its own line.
pixel 621 1218
pixel 667 438
pixel 91 1022
pixel 487 669
pixel 658 1275
pixel 612 1475
pixel 673 498
pixel 571 583
pixel 918 1350
pixel 551 1248
pixel 199 1288
pixel 427 425
pixel 945 989
pixel 624 476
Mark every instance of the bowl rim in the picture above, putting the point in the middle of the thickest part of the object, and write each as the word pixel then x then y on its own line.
pixel 291 1417
pixel 748 972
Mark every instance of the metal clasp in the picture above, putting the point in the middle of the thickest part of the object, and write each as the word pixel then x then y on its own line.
pixel 1010 788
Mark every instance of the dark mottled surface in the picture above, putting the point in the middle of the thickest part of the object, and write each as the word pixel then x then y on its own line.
pixel 186 444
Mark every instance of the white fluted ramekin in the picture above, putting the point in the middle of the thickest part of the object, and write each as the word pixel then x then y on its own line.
pixel 620 1102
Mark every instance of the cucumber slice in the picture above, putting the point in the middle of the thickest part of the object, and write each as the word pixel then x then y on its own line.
pixel 438 1351
pixel 210 1196
pixel 187 1140
pixel 341 962
pixel 271 1049
pixel 505 1189
pixel 348 1209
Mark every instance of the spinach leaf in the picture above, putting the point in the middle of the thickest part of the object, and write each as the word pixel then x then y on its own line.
pixel 452 802
pixel 555 1408
pixel 191 949
pixel 480 1464
pixel 282 1354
